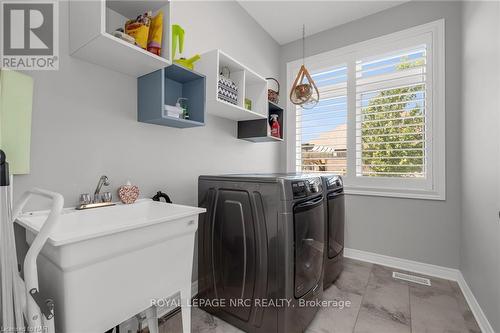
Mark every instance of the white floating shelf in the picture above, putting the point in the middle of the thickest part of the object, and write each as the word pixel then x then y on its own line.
pixel 250 85
pixel 92 24
pixel 227 110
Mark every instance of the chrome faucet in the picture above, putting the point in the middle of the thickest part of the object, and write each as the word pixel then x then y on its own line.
pixel 102 181
pixel 86 203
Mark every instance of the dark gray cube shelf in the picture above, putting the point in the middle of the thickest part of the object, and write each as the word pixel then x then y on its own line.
pixel 256 130
pixel 164 87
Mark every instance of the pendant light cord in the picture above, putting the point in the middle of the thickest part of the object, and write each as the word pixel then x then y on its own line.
pixel 303 44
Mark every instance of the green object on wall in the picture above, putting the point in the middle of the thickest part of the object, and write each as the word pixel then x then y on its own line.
pixel 16 102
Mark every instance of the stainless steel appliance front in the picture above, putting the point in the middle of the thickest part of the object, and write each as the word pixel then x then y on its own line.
pixel 260 250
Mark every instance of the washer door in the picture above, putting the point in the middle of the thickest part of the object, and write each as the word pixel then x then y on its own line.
pixel 309 244
pixel 336 216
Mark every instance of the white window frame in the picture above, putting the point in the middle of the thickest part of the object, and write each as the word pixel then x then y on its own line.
pixel 433 187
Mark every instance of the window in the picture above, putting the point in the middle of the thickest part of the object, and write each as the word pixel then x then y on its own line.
pixel 380 118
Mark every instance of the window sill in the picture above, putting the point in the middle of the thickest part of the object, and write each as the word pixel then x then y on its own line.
pixel 395 193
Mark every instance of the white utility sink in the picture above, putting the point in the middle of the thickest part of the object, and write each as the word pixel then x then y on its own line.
pixel 102 266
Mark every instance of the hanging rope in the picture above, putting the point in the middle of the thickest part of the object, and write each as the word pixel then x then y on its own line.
pixel 303 44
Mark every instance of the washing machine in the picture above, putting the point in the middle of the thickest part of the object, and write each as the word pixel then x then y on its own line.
pixel 334 222
pixel 261 250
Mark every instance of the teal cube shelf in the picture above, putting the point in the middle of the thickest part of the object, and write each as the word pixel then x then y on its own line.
pixel 164 87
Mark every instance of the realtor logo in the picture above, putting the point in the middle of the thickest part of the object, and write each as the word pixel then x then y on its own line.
pixel 30 35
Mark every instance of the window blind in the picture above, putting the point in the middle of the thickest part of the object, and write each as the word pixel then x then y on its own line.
pixel 391 115
pixel 321 132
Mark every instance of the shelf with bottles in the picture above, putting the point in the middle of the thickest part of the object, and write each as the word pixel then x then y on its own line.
pixel 160 91
pixel 92 27
pixel 260 130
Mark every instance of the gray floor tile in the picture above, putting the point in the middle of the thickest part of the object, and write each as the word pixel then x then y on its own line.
pixel 447 288
pixel 378 304
pixel 435 309
pixel 386 304
pixel 375 321
pixel 203 322
pixel 354 277
pixel 337 319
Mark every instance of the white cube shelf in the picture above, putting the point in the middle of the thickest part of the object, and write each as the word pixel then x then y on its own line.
pixel 92 23
pixel 250 85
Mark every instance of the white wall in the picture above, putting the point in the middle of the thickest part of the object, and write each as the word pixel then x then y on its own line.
pixel 84 118
pixel 421 230
pixel 480 245
pixel 226 26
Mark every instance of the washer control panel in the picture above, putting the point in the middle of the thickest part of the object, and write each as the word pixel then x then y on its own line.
pixel 303 188
pixel 299 189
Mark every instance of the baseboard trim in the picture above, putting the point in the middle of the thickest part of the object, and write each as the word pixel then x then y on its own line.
pixel 404 264
pixel 474 306
pixel 427 269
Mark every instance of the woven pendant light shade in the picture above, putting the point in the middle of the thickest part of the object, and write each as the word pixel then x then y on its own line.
pixel 304 91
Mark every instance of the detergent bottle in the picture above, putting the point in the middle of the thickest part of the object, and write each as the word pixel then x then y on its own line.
pixel 275 126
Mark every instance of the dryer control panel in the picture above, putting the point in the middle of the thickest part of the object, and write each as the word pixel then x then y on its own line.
pixel 334 183
pixel 299 189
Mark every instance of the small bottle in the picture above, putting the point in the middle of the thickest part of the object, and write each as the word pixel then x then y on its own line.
pixel 275 126
pixel 185 114
pixel 182 103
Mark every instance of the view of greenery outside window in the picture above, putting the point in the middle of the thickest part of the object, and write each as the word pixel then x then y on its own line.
pixel 391 118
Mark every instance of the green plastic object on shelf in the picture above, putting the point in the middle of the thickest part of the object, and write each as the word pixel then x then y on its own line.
pixel 178 39
pixel 248 104
pixel 188 63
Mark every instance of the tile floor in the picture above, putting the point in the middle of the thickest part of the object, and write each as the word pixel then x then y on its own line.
pixel 379 304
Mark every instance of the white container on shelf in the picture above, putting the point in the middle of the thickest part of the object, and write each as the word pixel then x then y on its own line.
pixel 173 111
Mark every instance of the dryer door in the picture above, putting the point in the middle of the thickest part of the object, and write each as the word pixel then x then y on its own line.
pixel 309 244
